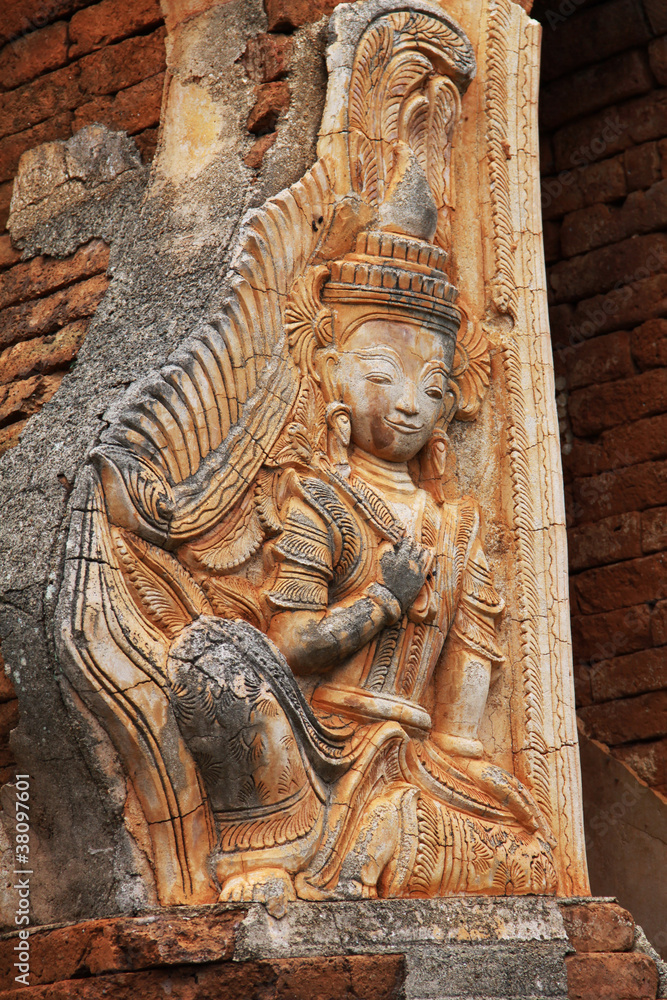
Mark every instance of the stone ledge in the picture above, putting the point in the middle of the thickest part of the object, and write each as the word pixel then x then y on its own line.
pixel 471 948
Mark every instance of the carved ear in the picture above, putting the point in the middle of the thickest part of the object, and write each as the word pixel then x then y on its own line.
pixel 327 370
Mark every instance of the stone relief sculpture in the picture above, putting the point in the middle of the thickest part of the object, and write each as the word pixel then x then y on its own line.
pixel 274 602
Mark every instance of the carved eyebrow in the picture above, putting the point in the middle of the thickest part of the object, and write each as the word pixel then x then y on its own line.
pixel 434 368
pixel 380 354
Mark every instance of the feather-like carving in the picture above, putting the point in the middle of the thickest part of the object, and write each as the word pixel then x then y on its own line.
pixel 236 597
pixel 199 430
pixel 372 56
pixel 168 595
pixel 231 543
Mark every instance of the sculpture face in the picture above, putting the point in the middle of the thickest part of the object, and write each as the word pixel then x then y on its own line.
pixel 394 378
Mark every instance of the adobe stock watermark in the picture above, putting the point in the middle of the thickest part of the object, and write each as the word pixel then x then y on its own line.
pixel 610 304
pixel 22 871
pixel 587 153
pixel 566 8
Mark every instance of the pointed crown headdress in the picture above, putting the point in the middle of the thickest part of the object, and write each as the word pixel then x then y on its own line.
pixel 370 218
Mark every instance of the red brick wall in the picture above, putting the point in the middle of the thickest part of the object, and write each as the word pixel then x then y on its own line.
pixel 63 64
pixel 604 163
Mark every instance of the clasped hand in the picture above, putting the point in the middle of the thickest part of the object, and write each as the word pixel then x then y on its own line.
pixel 404 568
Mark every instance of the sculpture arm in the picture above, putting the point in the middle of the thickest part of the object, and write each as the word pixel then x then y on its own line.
pixel 314 641
pixel 464 672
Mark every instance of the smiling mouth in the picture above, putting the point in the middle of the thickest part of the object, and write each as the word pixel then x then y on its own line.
pixel 404 428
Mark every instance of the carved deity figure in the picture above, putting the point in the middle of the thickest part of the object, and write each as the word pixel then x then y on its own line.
pixel 282 618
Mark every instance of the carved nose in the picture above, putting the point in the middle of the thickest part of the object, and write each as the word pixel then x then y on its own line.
pixel 408 401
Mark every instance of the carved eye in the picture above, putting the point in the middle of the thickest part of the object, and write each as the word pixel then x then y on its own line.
pixel 435 391
pixel 379 378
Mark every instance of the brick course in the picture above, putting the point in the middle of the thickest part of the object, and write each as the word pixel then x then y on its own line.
pixel 604 196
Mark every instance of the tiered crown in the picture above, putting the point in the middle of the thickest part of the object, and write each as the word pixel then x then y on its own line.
pixel 396 275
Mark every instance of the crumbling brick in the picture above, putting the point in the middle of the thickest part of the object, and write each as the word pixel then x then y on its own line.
pixel 42 317
pixel 272 100
pixel 267 57
pixel 14 146
pixel 42 354
pixel 598 927
pixel 285 15
pixel 43 275
pixel 132 110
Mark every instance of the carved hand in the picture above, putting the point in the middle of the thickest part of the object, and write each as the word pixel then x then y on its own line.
pixel 404 568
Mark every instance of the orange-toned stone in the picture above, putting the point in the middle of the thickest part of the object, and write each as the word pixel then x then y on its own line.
pixel 287 14
pixel 179 11
pixel 131 110
pixel 43 275
pixel 42 354
pixel 44 316
pixel 8 255
pixel 147 143
pixel 101 947
pixel 117 67
pixel 110 21
pixel 376 977
pixel 31 55
pixel 5 200
pixel 615 976
pixel 17 19
pixel 272 100
pixel 13 146
pixel 43 98
pixel 255 157
pixel 267 57
pixel 9 436
pixel 27 396
pixel 598 927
